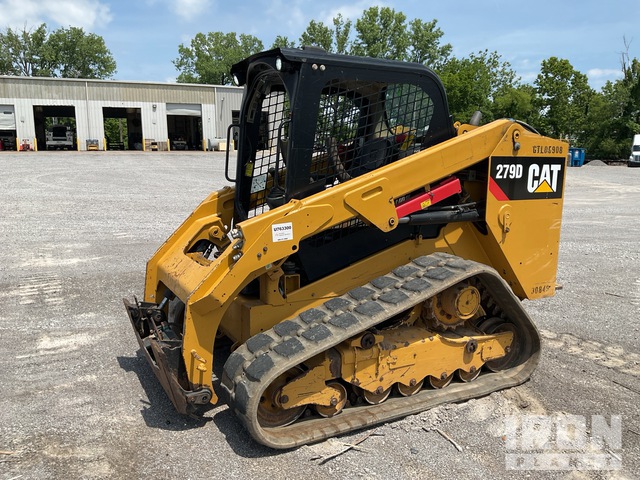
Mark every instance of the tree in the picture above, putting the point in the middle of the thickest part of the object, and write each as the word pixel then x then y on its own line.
pixel 209 57
pixel 606 130
pixel 563 96
pixel 283 42
pixel 614 113
pixel 115 130
pixel 66 52
pixel 22 52
pixel 476 83
pixel 424 44
pixel 72 53
pixel 317 34
pixel 631 83
pixel 342 32
pixel 518 102
pixel 381 33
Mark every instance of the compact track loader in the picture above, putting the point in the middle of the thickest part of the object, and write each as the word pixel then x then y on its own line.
pixel 369 261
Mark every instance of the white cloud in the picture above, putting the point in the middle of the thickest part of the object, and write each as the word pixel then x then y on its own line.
pixel 351 11
pixel 528 77
pixel 87 14
pixel 289 14
pixel 190 9
pixel 598 77
pixel 187 10
pixel 604 73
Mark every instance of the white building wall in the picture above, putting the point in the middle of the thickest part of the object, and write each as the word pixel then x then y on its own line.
pixel 208 125
pixel 83 123
pixel 95 125
pixel 89 98
pixel 154 121
pixel 25 125
pixel 228 99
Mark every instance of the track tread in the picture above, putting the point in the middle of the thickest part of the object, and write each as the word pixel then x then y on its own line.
pixel 326 325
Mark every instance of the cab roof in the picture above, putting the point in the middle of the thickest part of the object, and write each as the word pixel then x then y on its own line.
pixel 318 55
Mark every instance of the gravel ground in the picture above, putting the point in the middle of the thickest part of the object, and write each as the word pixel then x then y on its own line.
pixel 78 400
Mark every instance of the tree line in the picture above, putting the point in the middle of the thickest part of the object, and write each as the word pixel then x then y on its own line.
pixel 559 103
pixel 65 52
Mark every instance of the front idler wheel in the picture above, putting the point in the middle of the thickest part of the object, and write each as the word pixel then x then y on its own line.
pixel 270 412
pixel 513 350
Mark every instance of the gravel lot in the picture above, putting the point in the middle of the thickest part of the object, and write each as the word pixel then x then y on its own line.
pixel 78 400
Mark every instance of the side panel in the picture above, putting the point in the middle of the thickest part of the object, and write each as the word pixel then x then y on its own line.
pixel 524 213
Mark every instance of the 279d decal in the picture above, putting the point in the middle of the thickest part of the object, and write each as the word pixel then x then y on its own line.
pixel 526 178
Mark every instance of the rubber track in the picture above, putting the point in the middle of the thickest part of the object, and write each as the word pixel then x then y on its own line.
pixel 262 358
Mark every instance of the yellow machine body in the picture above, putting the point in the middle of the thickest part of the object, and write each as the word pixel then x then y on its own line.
pixel 518 177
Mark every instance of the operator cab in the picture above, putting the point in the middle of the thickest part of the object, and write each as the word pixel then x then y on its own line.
pixel 311 119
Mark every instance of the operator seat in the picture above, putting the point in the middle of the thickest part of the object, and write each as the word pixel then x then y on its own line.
pixel 373 154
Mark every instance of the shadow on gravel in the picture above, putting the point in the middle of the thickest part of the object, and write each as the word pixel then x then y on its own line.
pixel 158 412
pixel 227 423
pixel 239 439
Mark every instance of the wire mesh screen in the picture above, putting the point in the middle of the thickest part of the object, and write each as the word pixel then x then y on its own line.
pixel 267 168
pixel 360 127
pixel 365 125
pixel 409 114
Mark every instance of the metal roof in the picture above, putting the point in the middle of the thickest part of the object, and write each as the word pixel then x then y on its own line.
pixel 108 90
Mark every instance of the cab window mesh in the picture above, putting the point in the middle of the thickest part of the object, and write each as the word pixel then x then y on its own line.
pixel 364 125
pixel 274 111
pixel 409 113
pixel 360 126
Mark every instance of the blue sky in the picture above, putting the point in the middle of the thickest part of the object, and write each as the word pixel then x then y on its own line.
pixel 144 35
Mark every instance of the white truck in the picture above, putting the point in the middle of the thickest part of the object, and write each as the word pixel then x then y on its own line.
pixel 60 137
pixel 634 158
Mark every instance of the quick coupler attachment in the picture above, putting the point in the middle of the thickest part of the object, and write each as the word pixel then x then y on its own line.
pixel 163 351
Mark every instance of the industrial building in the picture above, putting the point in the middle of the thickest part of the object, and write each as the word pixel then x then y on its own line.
pixel 39 113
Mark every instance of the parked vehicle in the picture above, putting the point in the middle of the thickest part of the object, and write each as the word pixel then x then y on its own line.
pixel 7 142
pixel 634 159
pixel 60 137
pixel 179 143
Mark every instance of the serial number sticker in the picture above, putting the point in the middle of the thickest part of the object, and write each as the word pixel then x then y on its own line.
pixel 282 232
pixel 548 149
pixel 540 289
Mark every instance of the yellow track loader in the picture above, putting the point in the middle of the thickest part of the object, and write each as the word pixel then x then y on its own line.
pixel 369 260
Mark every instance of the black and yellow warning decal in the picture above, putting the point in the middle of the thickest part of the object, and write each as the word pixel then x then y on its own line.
pixel 526 178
